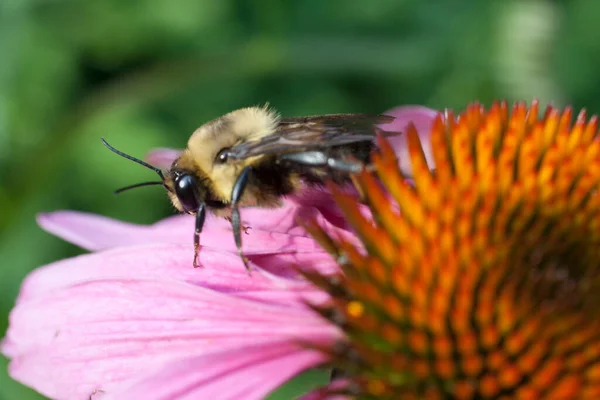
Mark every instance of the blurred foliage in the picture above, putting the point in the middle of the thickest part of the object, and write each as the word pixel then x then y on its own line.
pixel 146 73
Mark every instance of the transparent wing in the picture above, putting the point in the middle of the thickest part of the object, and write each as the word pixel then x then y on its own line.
pixel 313 133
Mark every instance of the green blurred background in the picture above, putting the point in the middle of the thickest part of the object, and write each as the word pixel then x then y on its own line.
pixel 146 73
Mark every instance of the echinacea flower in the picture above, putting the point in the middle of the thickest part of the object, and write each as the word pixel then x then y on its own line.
pixel 482 280
pixel 134 320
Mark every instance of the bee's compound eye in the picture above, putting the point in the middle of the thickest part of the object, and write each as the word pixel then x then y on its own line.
pixel 185 189
pixel 223 156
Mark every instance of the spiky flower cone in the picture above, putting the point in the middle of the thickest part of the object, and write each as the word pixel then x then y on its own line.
pixel 481 279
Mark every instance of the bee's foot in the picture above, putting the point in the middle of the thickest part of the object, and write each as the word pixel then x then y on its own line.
pixel 246 263
pixel 196 263
pixel 95 392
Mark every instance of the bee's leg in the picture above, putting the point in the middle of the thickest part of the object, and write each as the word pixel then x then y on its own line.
pixel 362 197
pixel 352 166
pixel 200 217
pixel 320 159
pixel 336 373
pixel 349 166
pixel 95 392
pixel 243 227
pixel 236 194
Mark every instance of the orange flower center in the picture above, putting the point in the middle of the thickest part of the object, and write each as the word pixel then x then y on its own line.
pixel 485 284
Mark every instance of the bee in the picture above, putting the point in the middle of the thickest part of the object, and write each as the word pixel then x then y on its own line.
pixel 252 157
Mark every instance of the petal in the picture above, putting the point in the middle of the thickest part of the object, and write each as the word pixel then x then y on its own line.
pixel 219 271
pixel 422 118
pixel 95 232
pixel 87 336
pixel 320 199
pixel 238 373
pixel 162 157
pixel 271 231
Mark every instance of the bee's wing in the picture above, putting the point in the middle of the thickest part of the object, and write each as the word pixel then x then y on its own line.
pixel 313 133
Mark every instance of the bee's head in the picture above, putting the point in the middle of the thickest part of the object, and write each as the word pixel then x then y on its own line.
pixel 185 190
pixel 189 186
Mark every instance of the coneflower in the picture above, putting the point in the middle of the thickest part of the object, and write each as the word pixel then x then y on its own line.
pixel 475 280
pixel 480 280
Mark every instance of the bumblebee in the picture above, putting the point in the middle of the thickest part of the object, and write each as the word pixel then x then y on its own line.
pixel 253 157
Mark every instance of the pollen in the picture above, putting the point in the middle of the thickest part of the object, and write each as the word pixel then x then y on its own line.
pixel 483 275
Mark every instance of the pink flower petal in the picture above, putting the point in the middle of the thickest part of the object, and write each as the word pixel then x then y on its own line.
pixel 221 271
pixel 162 157
pixel 422 118
pixel 90 335
pixel 95 232
pixel 239 373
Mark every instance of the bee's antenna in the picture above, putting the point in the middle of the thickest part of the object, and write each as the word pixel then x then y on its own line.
pixel 135 160
pixel 137 185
